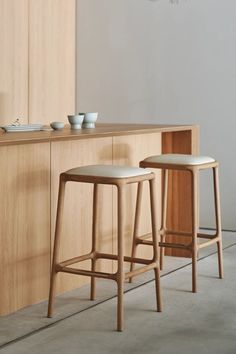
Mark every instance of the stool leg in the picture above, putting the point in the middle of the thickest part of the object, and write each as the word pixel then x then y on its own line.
pixel 94 240
pixel 60 206
pixel 120 271
pixel 136 224
pixel 155 243
pixel 163 215
pixel 218 220
pixel 194 229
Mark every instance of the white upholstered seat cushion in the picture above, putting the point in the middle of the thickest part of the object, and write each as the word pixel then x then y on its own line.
pixel 108 171
pixel 180 159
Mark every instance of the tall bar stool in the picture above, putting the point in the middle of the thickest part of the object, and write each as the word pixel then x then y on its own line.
pixel 119 176
pixel 193 164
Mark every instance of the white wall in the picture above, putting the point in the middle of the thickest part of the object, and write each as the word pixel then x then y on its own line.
pixel 158 62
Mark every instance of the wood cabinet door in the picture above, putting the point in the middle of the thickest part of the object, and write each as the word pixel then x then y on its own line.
pixel 77 221
pixel 24 225
pixel 13 61
pixel 51 60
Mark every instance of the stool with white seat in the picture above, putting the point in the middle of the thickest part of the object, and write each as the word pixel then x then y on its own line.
pixel 193 164
pixel 119 176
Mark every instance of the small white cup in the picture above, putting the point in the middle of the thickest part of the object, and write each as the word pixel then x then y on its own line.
pixel 57 125
pixel 76 120
pixel 89 120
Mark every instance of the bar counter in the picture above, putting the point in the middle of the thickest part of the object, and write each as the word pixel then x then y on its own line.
pixel 101 130
pixel 31 163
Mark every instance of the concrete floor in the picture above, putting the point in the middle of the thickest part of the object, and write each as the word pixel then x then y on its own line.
pixel 190 323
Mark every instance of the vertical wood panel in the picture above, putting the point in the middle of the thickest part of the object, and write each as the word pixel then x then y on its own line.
pixel 13 61
pixel 24 225
pixel 77 221
pixel 51 60
pixel 179 194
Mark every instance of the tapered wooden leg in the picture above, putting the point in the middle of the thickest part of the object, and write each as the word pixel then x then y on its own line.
pixel 220 259
pixel 94 240
pixel 194 229
pixel 163 215
pixel 60 206
pixel 155 242
pixel 120 270
pixel 158 289
pixel 136 224
pixel 218 221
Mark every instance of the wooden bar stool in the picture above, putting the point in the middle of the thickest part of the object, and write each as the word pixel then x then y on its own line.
pixel 119 176
pixel 193 164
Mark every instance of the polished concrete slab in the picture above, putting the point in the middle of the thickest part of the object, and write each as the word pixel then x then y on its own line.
pixel 190 323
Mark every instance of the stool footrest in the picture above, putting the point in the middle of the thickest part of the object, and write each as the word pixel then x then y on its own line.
pixel 210 237
pixel 176 233
pixel 126 258
pixel 141 270
pixel 186 234
pixel 144 242
pixel 77 259
pixel 208 243
pixel 105 275
pixel 174 245
pixel 88 273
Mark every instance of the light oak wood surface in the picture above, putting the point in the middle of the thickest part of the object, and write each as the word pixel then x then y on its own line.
pixel 13 61
pixel 101 130
pixel 51 60
pixel 37 61
pixel 25 225
pixel 129 150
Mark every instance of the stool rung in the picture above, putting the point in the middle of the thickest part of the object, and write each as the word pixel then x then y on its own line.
pixel 187 234
pixel 207 236
pixel 145 236
pixel 77 259
pixel 174 245
pixel 141 270
pixel 208 243
pixel 177 233
pixel 88 273
pixel 126 258
pixel 144 242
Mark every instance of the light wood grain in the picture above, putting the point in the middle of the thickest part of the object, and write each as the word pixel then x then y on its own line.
pixel 129 150
pixel 101 130
pixel 77 223
pixel 25 225
pixel 13 61
pixel 52 60
pixel 179 215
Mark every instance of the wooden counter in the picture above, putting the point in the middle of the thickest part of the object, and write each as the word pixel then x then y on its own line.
pixel 30 166
pixel 101 130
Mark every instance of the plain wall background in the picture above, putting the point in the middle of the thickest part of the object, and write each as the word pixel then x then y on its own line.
pixel 165 62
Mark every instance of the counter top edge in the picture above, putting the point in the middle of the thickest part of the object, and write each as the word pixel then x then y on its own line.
pixel 101 130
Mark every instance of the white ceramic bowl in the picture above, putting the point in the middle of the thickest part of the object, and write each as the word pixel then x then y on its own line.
pixel 76 121
pixel 57 125
pixel 89 119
